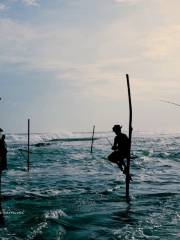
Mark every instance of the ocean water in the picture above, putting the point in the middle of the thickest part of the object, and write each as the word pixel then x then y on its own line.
pixel 71 194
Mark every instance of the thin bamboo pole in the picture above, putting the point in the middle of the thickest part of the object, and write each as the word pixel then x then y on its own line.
pixel 0 185
pixel 92 141
pixel 28 158
pixel 130 136
pixel 2 221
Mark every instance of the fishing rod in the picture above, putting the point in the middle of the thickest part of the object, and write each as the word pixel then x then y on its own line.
pixel 109 141
pixel 172 103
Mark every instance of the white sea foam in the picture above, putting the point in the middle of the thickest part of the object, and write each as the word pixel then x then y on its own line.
pixel 36 137
pixel 55 214
pixel 44 137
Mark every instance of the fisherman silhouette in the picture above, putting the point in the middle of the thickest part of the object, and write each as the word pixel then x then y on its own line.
pixel 120 147
pixel 3 152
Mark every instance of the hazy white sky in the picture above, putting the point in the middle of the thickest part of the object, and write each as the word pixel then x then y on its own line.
pixel 63 64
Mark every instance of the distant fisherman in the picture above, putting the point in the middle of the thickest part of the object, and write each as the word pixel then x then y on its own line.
pixel 3 152
pixel 120 147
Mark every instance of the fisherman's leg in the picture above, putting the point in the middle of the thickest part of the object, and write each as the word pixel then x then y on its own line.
pixel 124 165
pixel 125 170
pixel 120 165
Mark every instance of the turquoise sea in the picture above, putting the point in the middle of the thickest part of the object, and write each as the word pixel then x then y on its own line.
pixel 72 194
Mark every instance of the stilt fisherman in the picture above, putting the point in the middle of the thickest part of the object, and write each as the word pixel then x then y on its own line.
pixel 120 147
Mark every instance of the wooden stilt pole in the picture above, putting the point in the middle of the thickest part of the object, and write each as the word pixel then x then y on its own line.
pixel 92 141
pixel 28 158
pixel 2 221
pixel 0 185
pixel 130 136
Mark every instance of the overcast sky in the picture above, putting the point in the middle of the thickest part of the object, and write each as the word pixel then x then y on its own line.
pixel 63 64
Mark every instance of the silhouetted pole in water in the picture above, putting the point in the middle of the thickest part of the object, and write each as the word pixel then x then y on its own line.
pixel 92 141
pixel 28 157
pixel 2 221
pixel 0 187
pixel 130 136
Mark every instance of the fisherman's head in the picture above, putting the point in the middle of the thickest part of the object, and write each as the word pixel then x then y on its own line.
pixel 117 129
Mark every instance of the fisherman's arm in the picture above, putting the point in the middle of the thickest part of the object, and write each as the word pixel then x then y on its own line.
pixel 115 146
